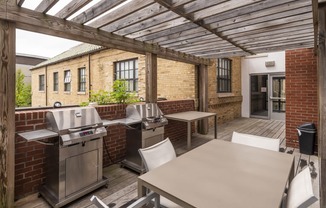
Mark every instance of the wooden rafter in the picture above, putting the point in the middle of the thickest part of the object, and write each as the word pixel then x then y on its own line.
pixel 119 13
pixel 20 2
pixel 97 10
pixel 71 8
pixel 37 22
pixel 195 18
pixel 45 5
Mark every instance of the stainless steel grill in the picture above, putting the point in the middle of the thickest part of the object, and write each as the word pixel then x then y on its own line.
pixel 74 162
pixel 144 134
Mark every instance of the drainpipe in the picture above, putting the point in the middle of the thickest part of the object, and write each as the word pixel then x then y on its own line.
pixel 46 85
pixel 89 76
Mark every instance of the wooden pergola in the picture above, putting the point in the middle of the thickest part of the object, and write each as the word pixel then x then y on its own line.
pixel 191 31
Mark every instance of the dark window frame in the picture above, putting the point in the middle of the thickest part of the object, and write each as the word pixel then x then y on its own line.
pixel 67 81
pixel 55 81
pixel 41 82
pixel 82 79
pixel 123 71
pixel 224 75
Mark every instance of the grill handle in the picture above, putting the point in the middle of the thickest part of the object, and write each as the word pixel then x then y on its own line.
pixel 74 130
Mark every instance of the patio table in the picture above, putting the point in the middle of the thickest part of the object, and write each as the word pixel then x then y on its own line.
pixel 190 116
pixel 222 174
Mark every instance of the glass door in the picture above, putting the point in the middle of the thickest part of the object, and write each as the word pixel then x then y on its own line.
pixel 259 96
pixel 277 97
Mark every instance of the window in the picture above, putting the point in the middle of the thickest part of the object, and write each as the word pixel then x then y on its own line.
pixel 41 81
pixel 55 81
pixel 224 68
pixel 81 80
pixel 67 81
pixel 128 70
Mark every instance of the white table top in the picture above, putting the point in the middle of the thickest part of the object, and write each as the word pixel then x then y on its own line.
pixel 223 174
pixel 189 115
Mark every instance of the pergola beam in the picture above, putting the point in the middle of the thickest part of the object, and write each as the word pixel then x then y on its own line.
pixel 46 24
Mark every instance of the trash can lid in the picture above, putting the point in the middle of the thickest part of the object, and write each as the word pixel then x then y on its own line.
pixel 307 127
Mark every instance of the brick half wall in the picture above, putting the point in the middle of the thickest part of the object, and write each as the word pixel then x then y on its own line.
pixel 30 156
pixel 301 92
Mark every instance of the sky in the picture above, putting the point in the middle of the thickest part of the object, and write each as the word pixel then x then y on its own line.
pixel 41 45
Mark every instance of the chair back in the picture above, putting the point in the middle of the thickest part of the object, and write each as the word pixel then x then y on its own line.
pixel 256 141
pixel 300 194
pixel 157 154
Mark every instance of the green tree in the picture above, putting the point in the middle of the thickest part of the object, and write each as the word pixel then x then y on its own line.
pixel 23 91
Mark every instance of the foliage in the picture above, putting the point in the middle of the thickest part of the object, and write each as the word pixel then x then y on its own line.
pixel 101 97
pixel 120 93
pixel 23 91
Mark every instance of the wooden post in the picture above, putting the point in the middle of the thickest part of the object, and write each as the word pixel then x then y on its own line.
pixel 322 104
pixel 203 97
pixel 151 78
pixel 7 112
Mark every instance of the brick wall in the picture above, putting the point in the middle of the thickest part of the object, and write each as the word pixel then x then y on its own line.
pixel 226 105
pixel 301 92
pixel 30 157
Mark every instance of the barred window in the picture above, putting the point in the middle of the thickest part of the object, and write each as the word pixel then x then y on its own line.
pixel 41 82
pixel 127 70
pixel 81 80
pixel 224 68
pixel 67 81
pixel 55 81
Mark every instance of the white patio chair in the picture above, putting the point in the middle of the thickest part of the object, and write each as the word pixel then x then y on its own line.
pixel 98 202
pixel 153 157
pixel 300 193
pixel 256 141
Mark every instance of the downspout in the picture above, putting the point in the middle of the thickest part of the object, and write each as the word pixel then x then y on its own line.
pixel 89 76
pixel 46 85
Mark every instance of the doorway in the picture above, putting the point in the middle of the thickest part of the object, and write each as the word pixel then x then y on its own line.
pixel 277 97
pixel 267 96
pixel 259 96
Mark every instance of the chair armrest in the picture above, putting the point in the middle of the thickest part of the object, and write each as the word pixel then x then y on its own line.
pixel 146 199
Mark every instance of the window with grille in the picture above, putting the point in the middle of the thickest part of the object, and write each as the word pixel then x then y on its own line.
pixel 41 82
pixel 224 68
pixel 67 81
pixel 55 81
pixel 127 70
pixel 81 80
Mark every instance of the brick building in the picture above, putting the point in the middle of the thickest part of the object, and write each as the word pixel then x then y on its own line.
pixel 70 76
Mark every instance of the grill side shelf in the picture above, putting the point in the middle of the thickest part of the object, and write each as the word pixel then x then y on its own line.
pixel 38 135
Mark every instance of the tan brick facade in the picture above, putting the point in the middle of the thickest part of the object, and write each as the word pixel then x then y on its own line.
pixel 226 105
pixel 176 80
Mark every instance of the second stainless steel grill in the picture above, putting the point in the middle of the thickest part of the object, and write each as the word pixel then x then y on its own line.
pixel 144 134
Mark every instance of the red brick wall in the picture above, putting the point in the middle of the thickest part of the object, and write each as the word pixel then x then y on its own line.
pixel 30 157
pixel 301 92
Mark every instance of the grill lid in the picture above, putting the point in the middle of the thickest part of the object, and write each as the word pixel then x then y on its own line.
pixel 59 120
pixel 149 113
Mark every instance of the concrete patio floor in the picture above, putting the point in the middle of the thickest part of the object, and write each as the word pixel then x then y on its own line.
pixel 123 182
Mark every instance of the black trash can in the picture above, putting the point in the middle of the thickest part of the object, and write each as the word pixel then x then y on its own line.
pixel 307 133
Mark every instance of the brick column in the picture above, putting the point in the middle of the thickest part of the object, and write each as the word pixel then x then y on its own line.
pixel 301 92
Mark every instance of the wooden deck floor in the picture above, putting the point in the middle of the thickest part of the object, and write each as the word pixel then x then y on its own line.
pixel 122 182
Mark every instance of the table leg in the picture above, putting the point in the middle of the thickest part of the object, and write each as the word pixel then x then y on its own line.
pixel 188 135
pixel 215 126
pixel 141 189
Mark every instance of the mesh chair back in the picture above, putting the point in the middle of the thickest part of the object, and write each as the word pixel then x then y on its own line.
pixel 256 141
pixel 157 154
pixel 300 193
